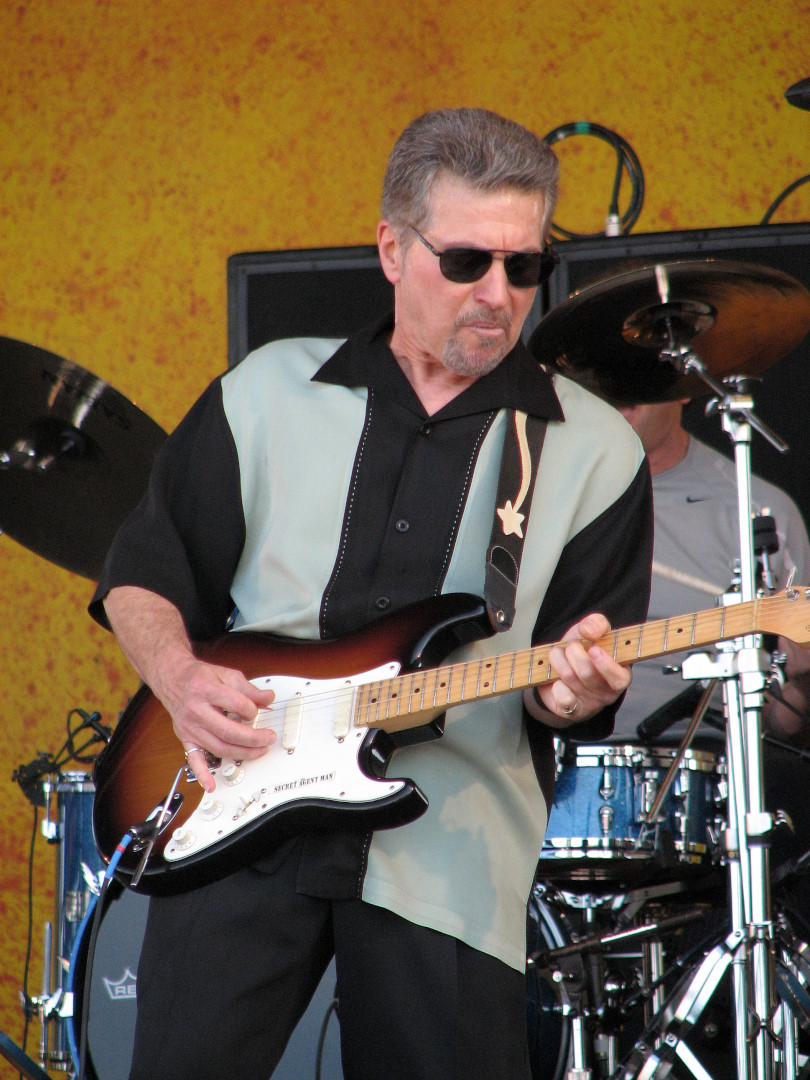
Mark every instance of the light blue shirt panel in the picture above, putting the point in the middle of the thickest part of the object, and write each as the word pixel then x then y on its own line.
pixel 300 458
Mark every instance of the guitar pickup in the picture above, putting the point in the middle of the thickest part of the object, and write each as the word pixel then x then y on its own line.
pixel 344 706
pixel 293 720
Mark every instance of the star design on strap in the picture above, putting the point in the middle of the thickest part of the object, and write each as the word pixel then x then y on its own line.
pixel 511 519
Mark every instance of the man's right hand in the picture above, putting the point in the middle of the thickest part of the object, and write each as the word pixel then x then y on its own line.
pixel 213 709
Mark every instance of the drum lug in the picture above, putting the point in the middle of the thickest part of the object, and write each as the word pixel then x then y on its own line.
pixel 649 791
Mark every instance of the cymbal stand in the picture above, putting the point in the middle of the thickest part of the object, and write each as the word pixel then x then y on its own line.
pixel 741 666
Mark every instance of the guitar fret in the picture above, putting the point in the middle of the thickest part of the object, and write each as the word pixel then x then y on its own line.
pixel 429 677
pixel 490 667
pixel 406 699
pixel 465 670
pixel 445 684
pixel 638 649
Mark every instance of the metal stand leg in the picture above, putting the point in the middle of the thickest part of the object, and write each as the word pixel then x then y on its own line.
pixel 20 1060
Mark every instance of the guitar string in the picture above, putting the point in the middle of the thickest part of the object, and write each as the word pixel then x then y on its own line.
pixel 446 685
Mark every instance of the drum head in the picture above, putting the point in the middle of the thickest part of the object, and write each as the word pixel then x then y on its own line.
pixel 107 991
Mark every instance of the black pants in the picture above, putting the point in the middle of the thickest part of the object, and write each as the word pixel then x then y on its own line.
pixel 227 971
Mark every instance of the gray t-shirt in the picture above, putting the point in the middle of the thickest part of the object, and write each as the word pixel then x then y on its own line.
pixel 696 542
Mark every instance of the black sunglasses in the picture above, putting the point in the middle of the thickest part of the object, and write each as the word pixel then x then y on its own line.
pixel 524 269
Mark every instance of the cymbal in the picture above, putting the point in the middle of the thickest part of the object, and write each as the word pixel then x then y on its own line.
pixel 75 457
pixel 737 318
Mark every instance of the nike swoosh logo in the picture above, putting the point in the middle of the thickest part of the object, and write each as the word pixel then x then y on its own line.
pixel 692 499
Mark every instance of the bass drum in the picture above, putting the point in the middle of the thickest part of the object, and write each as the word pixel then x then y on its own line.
pixel 108 994
pixel 549 1031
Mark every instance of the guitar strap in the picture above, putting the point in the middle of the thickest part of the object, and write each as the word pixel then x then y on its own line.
pixel 522 445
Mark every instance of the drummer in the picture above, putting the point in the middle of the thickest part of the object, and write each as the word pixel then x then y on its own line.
pixel 696 540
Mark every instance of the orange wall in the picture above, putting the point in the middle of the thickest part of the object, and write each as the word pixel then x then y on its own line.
pixel 143 141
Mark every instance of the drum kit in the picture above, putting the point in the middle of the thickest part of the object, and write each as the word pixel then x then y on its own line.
pixel 652 936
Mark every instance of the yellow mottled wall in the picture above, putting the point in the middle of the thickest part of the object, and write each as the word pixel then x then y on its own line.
pixel 142 142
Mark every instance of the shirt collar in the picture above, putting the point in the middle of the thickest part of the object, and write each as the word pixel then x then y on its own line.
pixel 518 382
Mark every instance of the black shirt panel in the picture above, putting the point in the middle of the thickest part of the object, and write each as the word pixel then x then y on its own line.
pixel 174 542
pixel 587 567
pixel 411 476
pixel 410 485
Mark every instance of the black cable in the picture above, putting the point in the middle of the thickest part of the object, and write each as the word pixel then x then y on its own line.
pixel 777 202
pixel 29 943
pixel 627 160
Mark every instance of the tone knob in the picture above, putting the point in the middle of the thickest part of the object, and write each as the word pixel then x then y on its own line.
pixel 210 808
pixel 183 838
pixel 232 773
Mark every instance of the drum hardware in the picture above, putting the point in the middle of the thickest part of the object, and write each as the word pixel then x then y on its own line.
pixel 20 1060
pixel 75 457
pixel 662 1041
pixel 623 906
pixel 603 942
pixel 589 997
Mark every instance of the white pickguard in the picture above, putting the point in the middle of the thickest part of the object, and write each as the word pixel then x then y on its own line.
pixel 315 756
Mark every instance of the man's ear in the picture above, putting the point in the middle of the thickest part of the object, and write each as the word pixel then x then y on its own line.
pixel 390 251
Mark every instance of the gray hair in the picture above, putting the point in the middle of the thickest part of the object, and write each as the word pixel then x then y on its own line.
pixel 477 146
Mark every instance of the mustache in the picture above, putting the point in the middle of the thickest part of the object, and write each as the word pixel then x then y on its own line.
pixel 502 319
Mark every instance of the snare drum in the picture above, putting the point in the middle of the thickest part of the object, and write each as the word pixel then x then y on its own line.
pixel 603 794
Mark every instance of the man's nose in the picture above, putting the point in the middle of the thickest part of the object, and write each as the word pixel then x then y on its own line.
pixel 493 287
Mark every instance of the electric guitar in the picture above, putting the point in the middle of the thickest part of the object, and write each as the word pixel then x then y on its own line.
pixel 341 708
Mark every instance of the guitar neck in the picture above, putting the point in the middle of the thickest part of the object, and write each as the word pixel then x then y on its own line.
pixel 408 701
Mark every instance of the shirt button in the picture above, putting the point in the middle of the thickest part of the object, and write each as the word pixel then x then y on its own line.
pixel 381 603
pixel 402 525
pixel 425 429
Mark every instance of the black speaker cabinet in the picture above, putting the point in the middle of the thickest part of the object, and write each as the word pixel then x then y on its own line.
pixel 331 292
